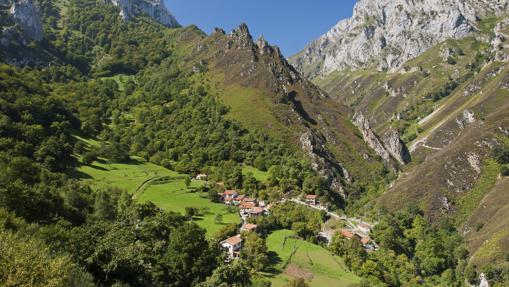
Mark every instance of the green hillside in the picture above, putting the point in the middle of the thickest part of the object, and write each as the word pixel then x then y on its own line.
pixel 299 258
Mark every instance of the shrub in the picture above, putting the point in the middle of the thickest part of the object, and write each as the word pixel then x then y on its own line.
pixel 504 170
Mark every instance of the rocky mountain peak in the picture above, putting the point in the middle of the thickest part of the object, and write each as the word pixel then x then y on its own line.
pixel 242 36
pixel 153 8
pixel 387 33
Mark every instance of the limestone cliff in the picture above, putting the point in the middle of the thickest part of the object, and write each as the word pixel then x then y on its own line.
pixel 391 149
pixel 153 8
pixel 387 33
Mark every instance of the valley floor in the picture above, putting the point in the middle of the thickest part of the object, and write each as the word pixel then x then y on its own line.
pixel 291 257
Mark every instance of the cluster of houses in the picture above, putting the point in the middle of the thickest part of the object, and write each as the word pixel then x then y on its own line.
pixel 361 233
pixel 248 207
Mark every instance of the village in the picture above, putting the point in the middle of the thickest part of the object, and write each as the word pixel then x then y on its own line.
pixel 252 207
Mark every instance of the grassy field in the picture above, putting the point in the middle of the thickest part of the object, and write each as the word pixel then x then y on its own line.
pixel 128 176
pixel 296 257
pixel 174 196
pixel 261 176
pixel 171 195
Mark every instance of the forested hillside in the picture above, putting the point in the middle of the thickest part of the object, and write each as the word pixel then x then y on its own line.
pixel 96 76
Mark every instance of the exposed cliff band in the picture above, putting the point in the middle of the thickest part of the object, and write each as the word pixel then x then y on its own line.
pixel 27 16
pixel 390 148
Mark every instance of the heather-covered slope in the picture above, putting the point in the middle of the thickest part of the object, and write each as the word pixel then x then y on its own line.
pixel 449 104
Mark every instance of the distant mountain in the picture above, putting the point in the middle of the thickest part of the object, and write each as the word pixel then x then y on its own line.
pixel 386 33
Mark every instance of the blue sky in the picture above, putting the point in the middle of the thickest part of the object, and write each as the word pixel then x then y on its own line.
pixel 289 24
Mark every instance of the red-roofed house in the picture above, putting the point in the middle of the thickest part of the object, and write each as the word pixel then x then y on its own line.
pixel 365 240
pixel 311 199
pixel 249 199
pixel 249 227
pixel 257 211
pixel 232 246
pixel 239 199
pixel 347 233
pixel 246 207
pixel 230 194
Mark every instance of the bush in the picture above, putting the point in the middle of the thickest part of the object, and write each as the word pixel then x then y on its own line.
pixel 451 60
pixel 501 154
pixel 89 157
pixel 504 171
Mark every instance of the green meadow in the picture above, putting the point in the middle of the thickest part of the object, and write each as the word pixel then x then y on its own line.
pixel 173 195
pixel 140 178
pixel 295 257
pixel 128 176
pixel 261 176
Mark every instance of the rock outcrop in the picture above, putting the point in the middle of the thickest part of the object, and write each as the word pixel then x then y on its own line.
pixel 396 147
pixel 387 33
pixel 323 161
pixel 27 16
pixel 153 8
pixel 390 149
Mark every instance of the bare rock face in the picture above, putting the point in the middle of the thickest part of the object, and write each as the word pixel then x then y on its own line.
pixel 396 147
pixel 387 33
pixel 28 17
pixel 153 8
pixel 370 137
pixel 389 149
pixel 323 162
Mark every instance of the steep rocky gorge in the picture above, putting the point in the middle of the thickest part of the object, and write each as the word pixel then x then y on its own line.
pixel 391 149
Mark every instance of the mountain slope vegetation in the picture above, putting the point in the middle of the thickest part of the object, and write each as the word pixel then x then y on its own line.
pixel 93 92
pixel 449 105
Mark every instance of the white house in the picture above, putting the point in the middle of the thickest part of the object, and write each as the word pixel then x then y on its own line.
pixel 230 194
pixel 232 245
pixel 246 207
pixel 311 199
pixel 201 176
